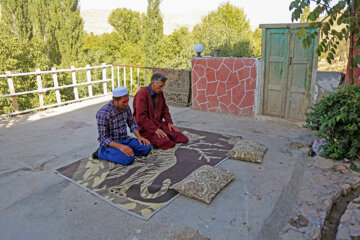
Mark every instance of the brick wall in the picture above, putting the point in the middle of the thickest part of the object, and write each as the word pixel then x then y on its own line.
pixel 224 84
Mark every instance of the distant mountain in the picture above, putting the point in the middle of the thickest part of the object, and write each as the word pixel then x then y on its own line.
pixel 96 21
pixel 174 21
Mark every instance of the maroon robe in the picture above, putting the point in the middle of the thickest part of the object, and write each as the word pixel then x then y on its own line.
pixel 149 120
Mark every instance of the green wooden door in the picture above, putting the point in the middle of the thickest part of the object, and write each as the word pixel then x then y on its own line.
pixel 276 72
pixel 299 77
pixel 288 69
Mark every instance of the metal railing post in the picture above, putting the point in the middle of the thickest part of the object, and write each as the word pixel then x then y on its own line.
pixel 12 91
pixel 56 84
pixel 118 75
pixel 112 78
pixel 124 77
pixel 138 79
pixel 39 85
pixel 104 78
pixel 145 77
pixel 131 81
pixel 73 76
pixel 88 78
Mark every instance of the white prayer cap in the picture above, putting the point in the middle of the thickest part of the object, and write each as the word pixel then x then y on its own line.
pixel 120 91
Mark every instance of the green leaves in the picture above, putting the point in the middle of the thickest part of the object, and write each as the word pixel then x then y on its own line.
pixel 337 24
pixel 356 61
pixel 293 4
pixel 153 33
pixel 128 23
pixel 354 167
pixel 301 33
pixel 336 118
pixel 227 29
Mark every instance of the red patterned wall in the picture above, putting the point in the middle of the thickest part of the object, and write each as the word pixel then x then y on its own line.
pixel 224 84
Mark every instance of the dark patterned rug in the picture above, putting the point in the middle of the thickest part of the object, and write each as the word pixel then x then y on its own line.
pixel 141 189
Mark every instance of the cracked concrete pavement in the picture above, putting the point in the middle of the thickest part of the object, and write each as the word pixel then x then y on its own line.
pixel 35 203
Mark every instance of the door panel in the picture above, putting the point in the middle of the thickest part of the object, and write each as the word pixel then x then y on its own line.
pixel 275 72
pixel 299 78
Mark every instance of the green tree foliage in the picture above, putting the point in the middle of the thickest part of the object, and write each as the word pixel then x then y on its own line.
pixel 336 118
pixel 177 49
pixel 19 56
pixel 257 37
pixel 305 15
pixel 344 13
pixel 127 44
pixel 41 14
pixel 15 18
pixel 37 34
pixel 95 50
pixel 69 29
pixel 57 23
pixel 153 33
pixel 226 29
pixel 128 23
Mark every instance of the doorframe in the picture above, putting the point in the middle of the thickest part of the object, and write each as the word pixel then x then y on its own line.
pixel 261 76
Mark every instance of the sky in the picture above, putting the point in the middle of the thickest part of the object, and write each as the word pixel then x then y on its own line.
pixel 257 11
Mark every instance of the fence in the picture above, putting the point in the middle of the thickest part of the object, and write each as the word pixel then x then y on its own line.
pixel 132 77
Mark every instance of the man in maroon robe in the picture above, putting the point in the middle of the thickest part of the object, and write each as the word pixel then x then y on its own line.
pixel 151 114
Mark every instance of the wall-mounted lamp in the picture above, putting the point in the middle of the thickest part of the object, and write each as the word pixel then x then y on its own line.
pixel 198 49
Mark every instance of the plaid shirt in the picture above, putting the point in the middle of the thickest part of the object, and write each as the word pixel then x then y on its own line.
pixel 112 124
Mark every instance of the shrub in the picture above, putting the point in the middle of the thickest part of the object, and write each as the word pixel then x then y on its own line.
pixel 336 118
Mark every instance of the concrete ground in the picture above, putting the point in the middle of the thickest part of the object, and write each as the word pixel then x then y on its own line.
pixel 36 203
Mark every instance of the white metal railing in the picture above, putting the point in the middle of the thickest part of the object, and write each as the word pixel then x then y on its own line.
pixel 42 91
pixel 129 73
pixel 142 74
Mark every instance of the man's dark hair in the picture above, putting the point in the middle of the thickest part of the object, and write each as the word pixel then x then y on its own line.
pixel 158 77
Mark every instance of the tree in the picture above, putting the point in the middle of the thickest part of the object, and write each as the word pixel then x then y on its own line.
pixel 56 23
pixel 305 15
pixel 42 19
pixel 69 29
pixel 15 18
pixel 257 41
pixel 177 49
pixel 126 43
pixel 345 13
pixel 128 23
pixel 153 33
pixel 227 29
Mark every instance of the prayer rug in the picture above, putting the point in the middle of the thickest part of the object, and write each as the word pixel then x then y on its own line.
pixel 142 189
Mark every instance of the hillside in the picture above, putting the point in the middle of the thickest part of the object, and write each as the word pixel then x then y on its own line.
pixel 96 21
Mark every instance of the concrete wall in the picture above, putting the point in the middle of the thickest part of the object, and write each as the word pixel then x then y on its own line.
pixel 326 82
pixel 177 90
pixel 224 84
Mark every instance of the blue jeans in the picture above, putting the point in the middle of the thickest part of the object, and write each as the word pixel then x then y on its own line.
pixel 117 156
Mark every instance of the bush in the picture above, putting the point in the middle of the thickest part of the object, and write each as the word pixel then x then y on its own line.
pixel 336 118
